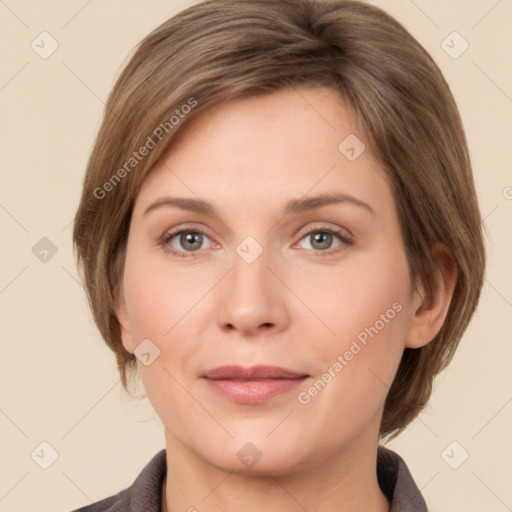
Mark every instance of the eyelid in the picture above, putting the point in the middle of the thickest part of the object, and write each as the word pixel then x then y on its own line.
pixel 323 226
pixel 192 227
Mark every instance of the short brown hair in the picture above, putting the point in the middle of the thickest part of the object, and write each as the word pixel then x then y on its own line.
pixel 219 50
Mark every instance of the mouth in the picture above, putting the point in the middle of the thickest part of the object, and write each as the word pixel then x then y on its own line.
pixel 253 385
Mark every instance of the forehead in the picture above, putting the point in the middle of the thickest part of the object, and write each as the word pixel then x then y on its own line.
pixel 269 148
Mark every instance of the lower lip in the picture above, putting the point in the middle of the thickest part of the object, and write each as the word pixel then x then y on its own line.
pixel 253 391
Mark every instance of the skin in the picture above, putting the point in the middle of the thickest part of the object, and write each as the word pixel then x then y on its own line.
pixel 291 307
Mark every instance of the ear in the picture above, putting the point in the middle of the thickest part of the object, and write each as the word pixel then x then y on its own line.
pixel 122 318
pixel 429 308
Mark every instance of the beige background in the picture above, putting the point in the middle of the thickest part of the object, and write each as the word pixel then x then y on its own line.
pixel 59 383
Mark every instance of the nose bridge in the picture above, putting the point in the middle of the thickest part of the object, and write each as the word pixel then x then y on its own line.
pixel 251 293
pixel 250 276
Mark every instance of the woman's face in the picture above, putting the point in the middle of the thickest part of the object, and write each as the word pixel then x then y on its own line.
pixel 321 290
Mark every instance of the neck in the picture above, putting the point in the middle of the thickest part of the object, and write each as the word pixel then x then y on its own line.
pixel 346 480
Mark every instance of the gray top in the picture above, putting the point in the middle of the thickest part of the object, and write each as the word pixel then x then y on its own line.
pixel 144 495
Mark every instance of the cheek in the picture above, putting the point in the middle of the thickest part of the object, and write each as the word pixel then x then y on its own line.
pixel 367 310
pixel 362 302
pixel 157 297
pixel 163 305
pixel 157 303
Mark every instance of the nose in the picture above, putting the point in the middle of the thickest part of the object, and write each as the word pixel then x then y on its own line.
pixel 253 299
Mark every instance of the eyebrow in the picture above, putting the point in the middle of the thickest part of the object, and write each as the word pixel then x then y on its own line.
pixel 293 205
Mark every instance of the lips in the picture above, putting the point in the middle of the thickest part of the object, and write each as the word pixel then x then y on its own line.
pixel 253 385
pixel 253 373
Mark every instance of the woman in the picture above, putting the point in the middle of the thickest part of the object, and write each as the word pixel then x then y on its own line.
pixel 279 233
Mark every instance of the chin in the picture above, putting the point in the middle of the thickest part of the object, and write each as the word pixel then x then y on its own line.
pixel 256 459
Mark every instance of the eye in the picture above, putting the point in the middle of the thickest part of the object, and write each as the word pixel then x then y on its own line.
pixel 321 240
pixel 185 240
pixel 189 241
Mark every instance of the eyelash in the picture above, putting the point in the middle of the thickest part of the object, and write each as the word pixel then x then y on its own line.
pixel 341 235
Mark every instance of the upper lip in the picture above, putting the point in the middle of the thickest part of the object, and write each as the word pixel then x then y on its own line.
pixel 236 372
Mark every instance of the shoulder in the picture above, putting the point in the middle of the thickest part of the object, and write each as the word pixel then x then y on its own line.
pixel 397 484
pixel 143 495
